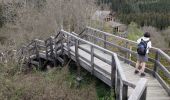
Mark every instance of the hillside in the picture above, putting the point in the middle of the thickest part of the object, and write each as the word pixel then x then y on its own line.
pixel 144 12
pixel 24 20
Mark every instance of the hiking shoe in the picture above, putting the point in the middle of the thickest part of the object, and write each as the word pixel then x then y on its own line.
pixel 142 74
pixel 136 72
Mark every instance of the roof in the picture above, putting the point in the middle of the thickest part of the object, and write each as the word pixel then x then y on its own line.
pixel 114 24
pixel 100 15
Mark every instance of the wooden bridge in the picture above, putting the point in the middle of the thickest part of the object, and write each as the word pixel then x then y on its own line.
pixel 108 57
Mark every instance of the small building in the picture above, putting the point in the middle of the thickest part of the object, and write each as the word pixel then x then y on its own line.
pixel 117 27
pixel 110 19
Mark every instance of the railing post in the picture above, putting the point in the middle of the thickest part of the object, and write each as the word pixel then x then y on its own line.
pixel 46 48
pixel 62 50
pixel 62 44
pixel 92 38
pixel 113 72
pixel 94 34
pixel 143 97
pixel 76 56
pixel 114 75
pixel 76 49
pixel 29 58
pixel 68 46
pixel 52 51
pixel 86 36
pixel 127 53
pixel 117 87
pixel 124 92
pixel 37 55
pixel 55 48
pixel 92 59
pixel 156 65
pixel 105 38
pixel 51 48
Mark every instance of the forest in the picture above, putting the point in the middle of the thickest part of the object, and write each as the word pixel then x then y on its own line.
pixel 144 12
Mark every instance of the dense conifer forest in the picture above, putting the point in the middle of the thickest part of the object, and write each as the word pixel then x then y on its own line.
pixel 144 12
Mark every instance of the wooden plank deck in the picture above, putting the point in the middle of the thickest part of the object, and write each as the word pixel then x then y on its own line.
pixel 154 91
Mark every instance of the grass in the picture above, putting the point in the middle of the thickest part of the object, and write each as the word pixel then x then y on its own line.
pixel 56 83
pixel 103 91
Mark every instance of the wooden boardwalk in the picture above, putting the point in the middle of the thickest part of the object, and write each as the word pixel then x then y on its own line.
pixel 155 90
pixel 114 70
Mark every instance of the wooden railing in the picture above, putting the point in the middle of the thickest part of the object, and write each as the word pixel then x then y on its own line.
pixel 117 77
pixel 138 93
pixel 95 36
pixel 100 40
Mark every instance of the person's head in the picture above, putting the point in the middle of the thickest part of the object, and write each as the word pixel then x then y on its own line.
pixel 147 34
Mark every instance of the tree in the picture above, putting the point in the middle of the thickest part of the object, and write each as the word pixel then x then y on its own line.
pixel 42 18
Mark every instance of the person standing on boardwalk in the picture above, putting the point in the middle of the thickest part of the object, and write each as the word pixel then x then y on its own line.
pixel 144 44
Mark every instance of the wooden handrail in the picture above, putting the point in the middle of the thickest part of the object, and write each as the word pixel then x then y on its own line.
pixel 119 68
pixel 109 43
pixel 139 93
pixel 100 48
pixel 157 63
pixel 130 41
pixel 108 34
pixel 157 50
pixel 96 46
pixel 163 54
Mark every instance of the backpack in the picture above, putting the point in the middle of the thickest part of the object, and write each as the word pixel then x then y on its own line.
pixel 142 47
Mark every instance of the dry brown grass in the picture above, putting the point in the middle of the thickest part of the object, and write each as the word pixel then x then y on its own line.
pixel 56 84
